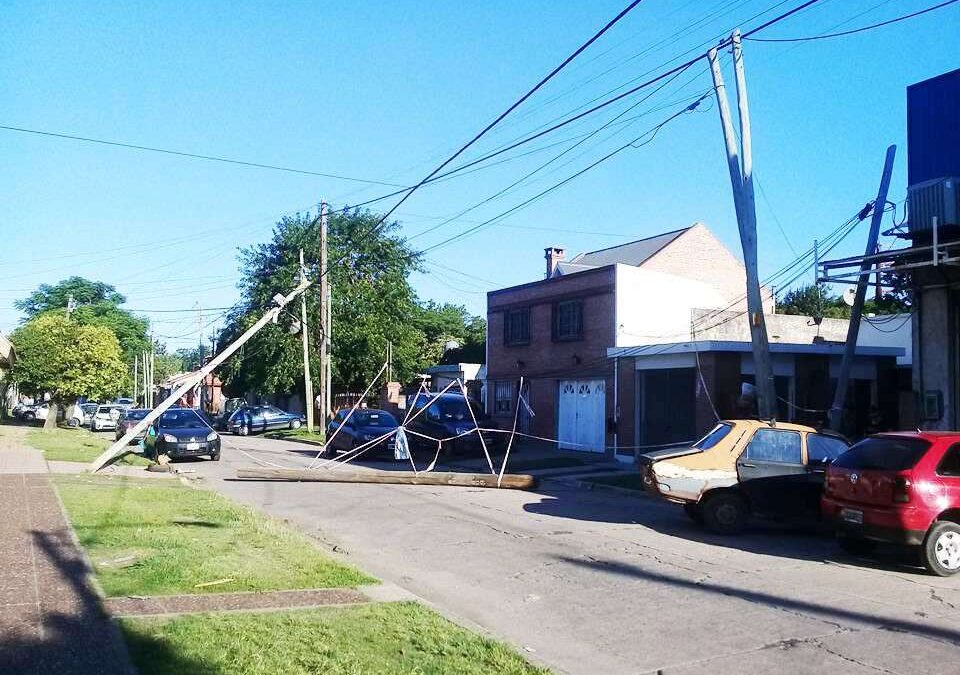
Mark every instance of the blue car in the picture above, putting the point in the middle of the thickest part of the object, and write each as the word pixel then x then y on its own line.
pixel 250 419
pixel 364 425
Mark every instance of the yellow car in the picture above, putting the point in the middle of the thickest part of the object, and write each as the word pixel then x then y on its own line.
pixel 745 468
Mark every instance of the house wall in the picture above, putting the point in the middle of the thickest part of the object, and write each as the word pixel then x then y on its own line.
pixel 544 362
pixel 698 255
pixel 655 306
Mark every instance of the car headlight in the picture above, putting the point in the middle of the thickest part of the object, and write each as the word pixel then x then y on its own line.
pixel 169 438
pixel 212 436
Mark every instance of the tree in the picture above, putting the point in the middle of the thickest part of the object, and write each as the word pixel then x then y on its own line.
pixel 444 323
pixel 97 304
pixel 816 300
pixel 373 305
pixel 67 360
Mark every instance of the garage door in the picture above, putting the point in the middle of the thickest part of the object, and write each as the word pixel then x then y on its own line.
pixel 580 424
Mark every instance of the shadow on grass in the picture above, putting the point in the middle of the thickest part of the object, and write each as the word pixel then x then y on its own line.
pixel 72 635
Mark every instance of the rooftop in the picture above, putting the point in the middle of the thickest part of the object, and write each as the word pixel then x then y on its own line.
pixel 632 253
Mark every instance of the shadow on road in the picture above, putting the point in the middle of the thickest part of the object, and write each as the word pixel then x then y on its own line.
pixel 797 542
pixel 829 612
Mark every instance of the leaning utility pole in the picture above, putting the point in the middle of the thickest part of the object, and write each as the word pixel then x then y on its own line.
pixel 120 446
pixel 136 374
pixel 741 181
pixel 324 322
pixel 853 330
pixel 307 383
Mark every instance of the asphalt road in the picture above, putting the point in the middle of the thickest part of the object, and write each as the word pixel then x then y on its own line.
pixel 587 581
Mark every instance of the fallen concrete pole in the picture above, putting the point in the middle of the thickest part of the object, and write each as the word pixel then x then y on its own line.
pixel 510 481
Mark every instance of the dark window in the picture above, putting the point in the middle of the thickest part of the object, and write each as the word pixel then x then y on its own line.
pixel 950 464
pixel 502 397
pixel 516 327
pixel 717 434
pixel 568 320
pixel 883 453
pixel 822 448
pixel 775 445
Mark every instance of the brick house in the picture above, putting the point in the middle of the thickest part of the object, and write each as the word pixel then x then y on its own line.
pixel 555 333
pixel 640 344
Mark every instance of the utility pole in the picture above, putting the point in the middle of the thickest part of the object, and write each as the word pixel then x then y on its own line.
pixel 152 354
pixel 120 446
pixel 328 401
pixel 307 382
pixel 136 375
pixel 146 389
pixel 200 332
pixel 853 330
pixel 741 182
pixel 324 322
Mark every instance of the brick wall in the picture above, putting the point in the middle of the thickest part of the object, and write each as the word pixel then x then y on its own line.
pixel 698 254
pixel 544 362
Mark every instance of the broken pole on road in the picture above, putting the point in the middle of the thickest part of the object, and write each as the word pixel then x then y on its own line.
pixel 512 481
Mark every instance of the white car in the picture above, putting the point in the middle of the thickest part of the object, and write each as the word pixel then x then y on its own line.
pixel 39 412
pixel 106 416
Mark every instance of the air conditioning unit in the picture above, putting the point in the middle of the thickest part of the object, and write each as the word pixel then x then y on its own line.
pixel 938 198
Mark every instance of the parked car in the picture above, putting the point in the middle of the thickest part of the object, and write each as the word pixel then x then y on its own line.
pixel 448 416
pixel 180 433
pixel 363 425
pixel 19 409
pixel 83 414
pixel 128 420
pixel 248 419
pixel 125 401
pixel 40 412
pixel 105 416
pixel 902 488
pixel 746 468
pixel 229 407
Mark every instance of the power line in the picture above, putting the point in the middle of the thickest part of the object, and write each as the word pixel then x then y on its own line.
pixel 855 30
pixel 193 155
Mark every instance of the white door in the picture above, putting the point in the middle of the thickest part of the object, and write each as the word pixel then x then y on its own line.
pixel 580 423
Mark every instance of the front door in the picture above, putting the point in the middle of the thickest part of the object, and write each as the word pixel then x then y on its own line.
pixel 580 423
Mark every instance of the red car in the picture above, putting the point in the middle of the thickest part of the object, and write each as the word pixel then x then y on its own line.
pixel 902 488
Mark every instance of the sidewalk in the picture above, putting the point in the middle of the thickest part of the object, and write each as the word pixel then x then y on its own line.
pixel 50 616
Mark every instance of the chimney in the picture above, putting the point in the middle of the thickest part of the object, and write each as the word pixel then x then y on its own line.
pixel 553 255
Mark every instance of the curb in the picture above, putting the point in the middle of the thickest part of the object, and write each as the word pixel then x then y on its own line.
pixel 590 485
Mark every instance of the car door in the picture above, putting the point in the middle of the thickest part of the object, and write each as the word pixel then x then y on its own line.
pixel 273 418
pixel 822 449
pixel 772 473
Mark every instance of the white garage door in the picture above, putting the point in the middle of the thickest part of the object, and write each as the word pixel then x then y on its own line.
pixel 580 424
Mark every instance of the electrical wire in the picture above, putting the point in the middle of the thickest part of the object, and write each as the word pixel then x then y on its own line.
pixel 856 30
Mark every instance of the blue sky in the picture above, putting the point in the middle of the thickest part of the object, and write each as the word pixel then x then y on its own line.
pixel 382 91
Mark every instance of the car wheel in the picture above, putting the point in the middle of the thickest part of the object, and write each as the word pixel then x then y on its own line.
pixel 940 552
pixel 29 417
pixel 244 430
pixel 694 512
pixel 215 457
pixel 73 423
pixel 295 424
pixel 725 513
pixel 856 545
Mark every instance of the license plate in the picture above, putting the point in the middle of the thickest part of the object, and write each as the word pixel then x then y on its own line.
pixel 193 446
pixel 852 516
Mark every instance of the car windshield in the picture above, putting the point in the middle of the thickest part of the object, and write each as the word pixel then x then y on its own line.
pixel 883 453
pixel 370 418
pixel 181 419
pixel 110 409
pixel 89 407
pixel 136 414
pixel 454 409
pixel 717 434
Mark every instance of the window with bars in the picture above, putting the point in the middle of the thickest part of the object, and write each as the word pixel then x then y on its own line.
pixel 502 397
pixel 516 327
pixel 568 320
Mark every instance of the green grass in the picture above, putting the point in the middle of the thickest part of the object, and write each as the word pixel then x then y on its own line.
pixel 180 536
pixel 395 638
pixel 299 434
pixel 630 481
pixel 75 445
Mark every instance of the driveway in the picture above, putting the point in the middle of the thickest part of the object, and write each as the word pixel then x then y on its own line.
pixel 587 581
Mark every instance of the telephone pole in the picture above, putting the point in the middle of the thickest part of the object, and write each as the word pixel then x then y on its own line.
pixel 136 374
pixel 741 182
pixel 324 322
pixel 853 329
pixel 200 333
pixel 307 383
